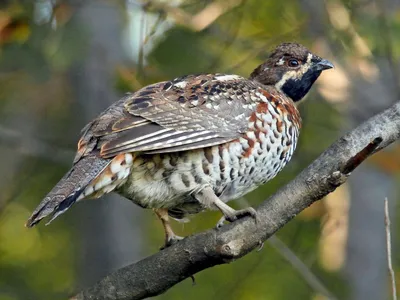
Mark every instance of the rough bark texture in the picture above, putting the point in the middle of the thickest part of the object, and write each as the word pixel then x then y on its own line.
pixel 157 273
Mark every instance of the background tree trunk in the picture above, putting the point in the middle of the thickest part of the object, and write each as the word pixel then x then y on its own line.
pixel 110 227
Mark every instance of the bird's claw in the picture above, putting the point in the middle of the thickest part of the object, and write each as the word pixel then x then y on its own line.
pixel 171 240
pixel 237 214
pixel 260 246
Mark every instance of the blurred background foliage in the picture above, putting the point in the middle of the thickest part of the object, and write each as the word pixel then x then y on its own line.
pixel 62 62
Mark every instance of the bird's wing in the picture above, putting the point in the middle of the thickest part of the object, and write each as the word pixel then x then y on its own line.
pixel 186 113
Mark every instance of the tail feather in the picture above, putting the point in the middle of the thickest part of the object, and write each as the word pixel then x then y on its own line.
pixel 64 205
pixel 67 191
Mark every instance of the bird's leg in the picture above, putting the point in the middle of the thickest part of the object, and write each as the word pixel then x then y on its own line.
pixel 208 198
pixel 170 237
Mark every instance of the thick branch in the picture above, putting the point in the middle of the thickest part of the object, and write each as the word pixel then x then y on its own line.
pixel 157 273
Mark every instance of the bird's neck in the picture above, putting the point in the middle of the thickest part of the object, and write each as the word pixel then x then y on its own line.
pixel 297 88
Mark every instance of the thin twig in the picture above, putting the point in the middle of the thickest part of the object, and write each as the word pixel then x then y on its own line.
pixel 389 249
pixel 196 22
pixel 305 272
pixel 161 18
pixel 314 282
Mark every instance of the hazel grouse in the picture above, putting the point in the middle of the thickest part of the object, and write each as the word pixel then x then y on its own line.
pixel 192 143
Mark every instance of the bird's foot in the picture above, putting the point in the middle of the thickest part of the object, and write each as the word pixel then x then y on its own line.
pixel 237 214
pixel 171 240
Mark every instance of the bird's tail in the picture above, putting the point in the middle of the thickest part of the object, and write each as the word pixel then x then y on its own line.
pixel 90 177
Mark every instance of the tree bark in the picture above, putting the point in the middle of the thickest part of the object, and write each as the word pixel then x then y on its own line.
pixel 157 273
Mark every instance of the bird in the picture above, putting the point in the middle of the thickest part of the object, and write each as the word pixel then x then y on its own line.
pixel 193 143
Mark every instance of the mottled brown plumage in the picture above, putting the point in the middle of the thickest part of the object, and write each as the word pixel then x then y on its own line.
pixel 192 143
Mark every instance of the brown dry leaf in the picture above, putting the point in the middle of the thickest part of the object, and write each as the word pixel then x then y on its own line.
pixel 5 19
pixel 332 244
pixel 62 12
pixel 14 31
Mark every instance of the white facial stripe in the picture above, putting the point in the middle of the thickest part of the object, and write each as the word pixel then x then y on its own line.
pixel 290 74
pixel 305 66
pixel 309 57
pixel 280 62
pixel 295 74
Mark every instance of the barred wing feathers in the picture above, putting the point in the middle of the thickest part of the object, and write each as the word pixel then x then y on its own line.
pixel 190 112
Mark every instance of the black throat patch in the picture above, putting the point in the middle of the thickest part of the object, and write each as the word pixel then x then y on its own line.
pixel 297 89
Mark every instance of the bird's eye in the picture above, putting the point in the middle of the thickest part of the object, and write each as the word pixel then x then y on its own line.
pixel 293 62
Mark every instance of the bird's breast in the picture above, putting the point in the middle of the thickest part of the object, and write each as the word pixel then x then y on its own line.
pixel 232 169
pixel 262 151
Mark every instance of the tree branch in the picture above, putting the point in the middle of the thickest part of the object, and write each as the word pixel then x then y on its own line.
pixel 159 272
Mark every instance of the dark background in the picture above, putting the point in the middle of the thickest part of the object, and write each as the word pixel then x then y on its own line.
pixel 63 62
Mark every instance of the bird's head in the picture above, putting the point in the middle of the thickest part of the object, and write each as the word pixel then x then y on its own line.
pixel 292 69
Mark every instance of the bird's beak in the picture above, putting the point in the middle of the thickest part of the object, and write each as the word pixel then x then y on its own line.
pixel 324 64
